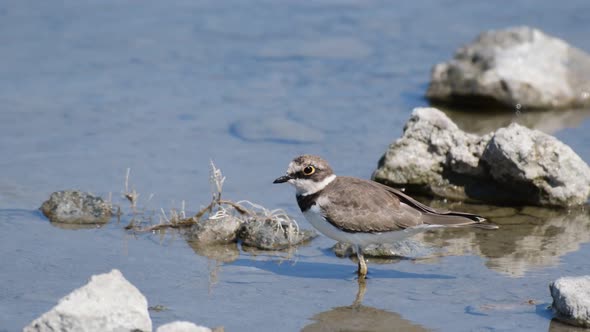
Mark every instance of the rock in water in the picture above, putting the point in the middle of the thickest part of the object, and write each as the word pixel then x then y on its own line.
pixel 514 66
pixel 215 231
pixel 571 300
pixel 107 303
pixel 270 235
pixel 513 165
pixel 539 165
pixel 76 207
pixel 431 144
pixel 407 248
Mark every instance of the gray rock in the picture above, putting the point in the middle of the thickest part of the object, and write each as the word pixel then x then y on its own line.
pixel 541 165
pixel 76 207
pixel 406 248
pixel 519 65
pixel 107 303
pixel 431 148
pixel 512 165
pixel 215 231
pixel 268 234
pixel 181 326
pixel 571 300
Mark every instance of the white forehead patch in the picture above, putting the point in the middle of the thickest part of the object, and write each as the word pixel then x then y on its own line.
pixel 294 168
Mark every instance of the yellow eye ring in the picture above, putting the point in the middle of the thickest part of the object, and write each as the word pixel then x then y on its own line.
pixel 309 170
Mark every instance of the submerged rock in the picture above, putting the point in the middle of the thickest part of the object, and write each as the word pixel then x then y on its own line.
pixel 404 249
pixel 76 207
pixel 516 66
pixel 258 230
pixel 513 165
pixel 215 230
pixel 107 303
pixel 571 300
pixel 181 326
pixel 270 234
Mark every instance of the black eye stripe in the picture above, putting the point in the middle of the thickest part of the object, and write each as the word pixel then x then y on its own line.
pixel 300 174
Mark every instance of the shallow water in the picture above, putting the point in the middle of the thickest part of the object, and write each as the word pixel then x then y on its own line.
pixel 92 88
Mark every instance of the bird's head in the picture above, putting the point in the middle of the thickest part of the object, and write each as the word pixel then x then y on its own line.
pixel 308 174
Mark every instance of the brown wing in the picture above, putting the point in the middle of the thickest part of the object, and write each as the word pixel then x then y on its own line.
pixel 387 209
pixel 435 216
pixel 381 211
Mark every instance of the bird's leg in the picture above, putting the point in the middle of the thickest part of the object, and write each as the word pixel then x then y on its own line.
pixel 362 271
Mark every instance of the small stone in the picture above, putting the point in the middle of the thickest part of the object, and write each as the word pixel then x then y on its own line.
pixel 571 300
pixel 181 326
pixel 519 67
pixel 222 230
pixel 76 207
pixel 157 308
pixel 108 302
pixel 268 234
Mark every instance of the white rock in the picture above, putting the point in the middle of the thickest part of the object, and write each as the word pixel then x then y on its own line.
pixel 555 174
pixel 571 300
pixel 431 146
pixel 516 66
pixel 107 303
pixel 180 326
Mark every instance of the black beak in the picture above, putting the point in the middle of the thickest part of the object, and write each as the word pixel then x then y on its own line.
pixel 282 179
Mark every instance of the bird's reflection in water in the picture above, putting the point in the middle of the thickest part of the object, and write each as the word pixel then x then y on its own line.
pixel 358 317
pixel 528 238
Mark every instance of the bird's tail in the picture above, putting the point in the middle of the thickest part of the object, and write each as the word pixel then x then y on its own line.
pixel 458 219
pixel 442 218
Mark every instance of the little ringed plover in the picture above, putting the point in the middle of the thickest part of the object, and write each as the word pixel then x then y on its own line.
pixel 363 212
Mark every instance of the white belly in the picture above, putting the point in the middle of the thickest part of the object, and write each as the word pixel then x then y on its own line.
pixel 316 219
